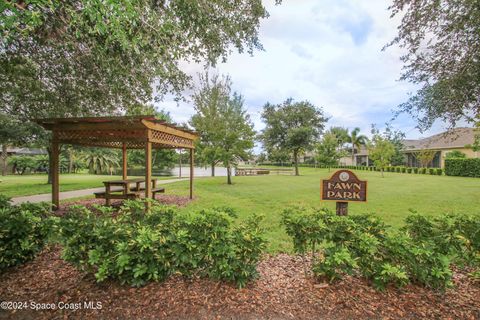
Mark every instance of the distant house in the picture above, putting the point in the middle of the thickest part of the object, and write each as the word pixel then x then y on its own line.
pixel 458 139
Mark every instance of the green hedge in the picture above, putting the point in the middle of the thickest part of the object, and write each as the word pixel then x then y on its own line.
pixel 462 167
pixel 24 230
pixel 420 252
pixel 136 247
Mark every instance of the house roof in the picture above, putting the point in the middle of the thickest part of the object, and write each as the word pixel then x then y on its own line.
pixel 455 138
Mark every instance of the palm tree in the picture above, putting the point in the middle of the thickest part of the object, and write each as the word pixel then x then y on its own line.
pixel 99 161
pixel 356 140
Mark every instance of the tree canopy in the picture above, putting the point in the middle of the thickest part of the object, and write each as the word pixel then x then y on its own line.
pixel 442 44
pixel 226 131
pixel 292 127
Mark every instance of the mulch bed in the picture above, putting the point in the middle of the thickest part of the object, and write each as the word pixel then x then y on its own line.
pixel 281 292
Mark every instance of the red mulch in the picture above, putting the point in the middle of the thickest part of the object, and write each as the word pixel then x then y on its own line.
pixel 281 292
pixel 169 199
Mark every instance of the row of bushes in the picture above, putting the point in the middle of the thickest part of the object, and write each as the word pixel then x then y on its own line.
pixel 398 169
pixel 133 246
pixel 462 167
pixel 421 252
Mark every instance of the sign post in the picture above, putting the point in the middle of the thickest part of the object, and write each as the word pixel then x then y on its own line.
pixel 344 187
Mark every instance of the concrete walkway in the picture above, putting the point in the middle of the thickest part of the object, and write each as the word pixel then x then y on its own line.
pixel 73 194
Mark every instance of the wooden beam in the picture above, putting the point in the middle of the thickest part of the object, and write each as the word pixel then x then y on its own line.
pixel 163 128
pixel 124 161
pixel 191 172
pixel 148 170
pixel 55 168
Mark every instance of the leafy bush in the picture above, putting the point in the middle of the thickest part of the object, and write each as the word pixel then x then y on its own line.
pixel 136 247
pixel 415 170
pixel 455 235
pixel 409 170
pixel 24 230
pixel 422 170
pixel 439 171
pixel 398 169
pixel 362 244
pixel 403 169
pixel 462 167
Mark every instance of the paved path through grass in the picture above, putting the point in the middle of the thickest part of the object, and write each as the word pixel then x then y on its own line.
pixel 73 194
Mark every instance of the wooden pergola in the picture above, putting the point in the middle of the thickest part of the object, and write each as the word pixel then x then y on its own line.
pixel 135 132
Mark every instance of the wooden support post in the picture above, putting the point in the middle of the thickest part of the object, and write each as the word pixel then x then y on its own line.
pixel 124 161
pixel 55 173
pixel 342 208
pixel 148 170
pixel 191 173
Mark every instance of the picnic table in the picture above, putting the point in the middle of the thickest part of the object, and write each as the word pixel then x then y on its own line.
pixel 124 191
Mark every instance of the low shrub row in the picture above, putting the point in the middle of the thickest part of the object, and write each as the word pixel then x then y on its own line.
pixel 135 247
pixel 398 169
pixel 421 252
pixel 462 167
pixel 24 230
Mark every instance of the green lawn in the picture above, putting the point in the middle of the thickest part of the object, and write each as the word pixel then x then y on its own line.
pixel 15 186
pixel 391 197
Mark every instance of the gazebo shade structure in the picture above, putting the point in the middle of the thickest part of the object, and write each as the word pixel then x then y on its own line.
pixel 136 132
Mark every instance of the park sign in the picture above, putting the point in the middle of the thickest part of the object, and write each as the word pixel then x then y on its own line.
pixel 343 187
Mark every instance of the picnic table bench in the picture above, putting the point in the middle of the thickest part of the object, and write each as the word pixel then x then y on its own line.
pixel 125 191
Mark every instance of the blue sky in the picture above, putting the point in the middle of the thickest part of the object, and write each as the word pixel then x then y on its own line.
pixel 328 52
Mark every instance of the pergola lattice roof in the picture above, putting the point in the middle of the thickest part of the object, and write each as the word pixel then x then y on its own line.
pixel 114 132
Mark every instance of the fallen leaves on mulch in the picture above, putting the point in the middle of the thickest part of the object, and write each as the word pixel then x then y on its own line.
pixel 282 291
pixel 169 199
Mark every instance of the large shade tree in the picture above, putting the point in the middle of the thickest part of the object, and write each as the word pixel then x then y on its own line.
pixel 292 127
pixel 79 58
pixel 442 56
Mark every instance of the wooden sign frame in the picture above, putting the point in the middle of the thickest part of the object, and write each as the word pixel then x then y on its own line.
pixel 343 187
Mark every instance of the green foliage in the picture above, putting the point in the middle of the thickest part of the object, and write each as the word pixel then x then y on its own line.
pixel 292 127
pixel 327 150
pixel 421 252
pixel 462 167
pixel 439 171
pixel 409 170
pixel 455 154
pixel 226 131
pixel 457 236
pixel 381 151
pixel 432 171
pixel 136 247
pixel 24 230
pixel 441 45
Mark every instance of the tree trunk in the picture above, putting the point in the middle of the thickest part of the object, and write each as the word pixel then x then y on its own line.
pixel 4 159
pixel 229 174
pixel 213 169
pixel 295 159
pixel 50 166
pixel 353 154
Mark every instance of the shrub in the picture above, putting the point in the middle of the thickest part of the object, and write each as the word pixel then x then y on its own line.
pixel 462 167
pixel 24 230
pixel 364 245
pixel 136 247
pixel 432 171
pixel 439 171
pixel 422 170
pixel 409 170
pixel 415 170
pixel 403 169
pixel 398 169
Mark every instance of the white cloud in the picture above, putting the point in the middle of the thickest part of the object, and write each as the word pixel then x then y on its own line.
pixel 327 52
